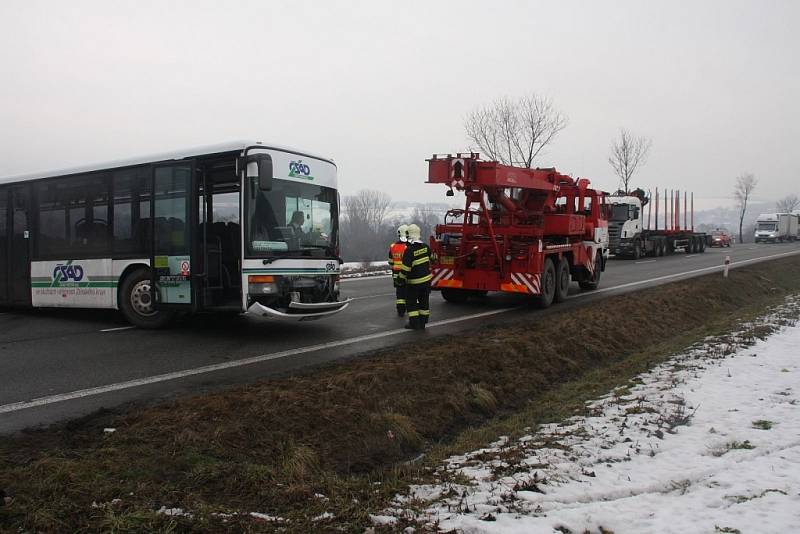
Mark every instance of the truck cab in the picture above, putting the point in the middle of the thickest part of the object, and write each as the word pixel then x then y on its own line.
pixel 624 223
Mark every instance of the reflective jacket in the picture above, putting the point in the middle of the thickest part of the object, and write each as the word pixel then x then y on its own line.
pixel 416 264
pixel 396 251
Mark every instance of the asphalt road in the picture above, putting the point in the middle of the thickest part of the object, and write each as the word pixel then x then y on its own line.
pixel 58 364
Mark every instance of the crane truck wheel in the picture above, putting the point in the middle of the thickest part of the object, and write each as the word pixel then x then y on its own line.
pixel 548 286
pixel 562 280
pixel 456 296
pixel 594 281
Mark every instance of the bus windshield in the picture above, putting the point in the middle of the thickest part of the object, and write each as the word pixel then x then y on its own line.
pixel 291 220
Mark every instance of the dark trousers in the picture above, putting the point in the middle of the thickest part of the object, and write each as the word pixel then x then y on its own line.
pixel 418 304
pixel 400 293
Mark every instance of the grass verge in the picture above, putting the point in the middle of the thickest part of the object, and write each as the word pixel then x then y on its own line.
pixel 322 450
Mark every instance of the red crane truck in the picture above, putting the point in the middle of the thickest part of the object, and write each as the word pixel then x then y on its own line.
pixel 529 231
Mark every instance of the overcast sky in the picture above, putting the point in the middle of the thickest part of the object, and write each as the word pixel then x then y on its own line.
pixel 379 86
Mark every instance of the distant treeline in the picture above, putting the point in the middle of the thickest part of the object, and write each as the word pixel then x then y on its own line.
pixel 367 227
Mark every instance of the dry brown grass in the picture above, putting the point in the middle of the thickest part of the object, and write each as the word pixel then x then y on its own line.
pixel 271 446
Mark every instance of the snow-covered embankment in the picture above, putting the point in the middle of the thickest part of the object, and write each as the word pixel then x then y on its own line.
pixel 708 441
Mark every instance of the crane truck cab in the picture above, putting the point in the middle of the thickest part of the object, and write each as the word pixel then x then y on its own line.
pixel 773 227
pixel 624 225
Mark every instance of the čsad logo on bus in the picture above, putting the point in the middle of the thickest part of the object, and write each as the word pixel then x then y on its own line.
pixel 67 273
pixel 298 169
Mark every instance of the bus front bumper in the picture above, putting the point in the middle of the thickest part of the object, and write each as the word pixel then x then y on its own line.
pixel 299 311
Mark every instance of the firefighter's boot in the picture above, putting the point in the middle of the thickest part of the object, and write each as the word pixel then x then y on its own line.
pixel 413 323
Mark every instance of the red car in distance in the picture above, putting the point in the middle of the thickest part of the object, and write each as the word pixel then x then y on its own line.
pixel 720 238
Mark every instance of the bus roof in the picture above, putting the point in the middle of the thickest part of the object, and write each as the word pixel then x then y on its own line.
pixel 158 157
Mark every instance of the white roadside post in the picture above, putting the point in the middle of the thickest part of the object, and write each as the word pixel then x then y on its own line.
pixel 727 263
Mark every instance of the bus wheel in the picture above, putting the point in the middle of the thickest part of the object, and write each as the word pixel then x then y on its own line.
pixel 594 281
pixel 562 280
pixel 548 285
pixel 136 302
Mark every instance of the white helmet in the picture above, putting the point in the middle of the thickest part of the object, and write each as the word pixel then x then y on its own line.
pixel 414 233
pixel 401 232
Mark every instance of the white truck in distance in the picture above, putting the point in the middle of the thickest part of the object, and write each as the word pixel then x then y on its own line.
pixel 775 227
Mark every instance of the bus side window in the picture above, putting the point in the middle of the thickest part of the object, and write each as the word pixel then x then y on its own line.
pixel 131 211
pixel 73 217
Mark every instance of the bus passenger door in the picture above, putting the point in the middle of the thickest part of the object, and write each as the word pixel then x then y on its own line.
pixel 19 259
pixel 174 217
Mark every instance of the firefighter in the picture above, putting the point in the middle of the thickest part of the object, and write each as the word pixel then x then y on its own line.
pixel 396 251
pixel 416 274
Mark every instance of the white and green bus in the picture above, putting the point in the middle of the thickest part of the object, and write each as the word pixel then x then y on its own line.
pixel 238 227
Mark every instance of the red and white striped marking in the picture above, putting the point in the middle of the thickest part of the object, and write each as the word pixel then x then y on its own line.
pixel 441 275
pixel 531 281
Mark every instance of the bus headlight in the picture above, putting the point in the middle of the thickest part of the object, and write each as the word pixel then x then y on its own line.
pixel 263 289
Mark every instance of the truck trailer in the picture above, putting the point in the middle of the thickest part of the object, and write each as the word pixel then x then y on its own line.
pixel 775 228
pixel 794 226
pixel 796 214
pixel 526 231
pixel 632 235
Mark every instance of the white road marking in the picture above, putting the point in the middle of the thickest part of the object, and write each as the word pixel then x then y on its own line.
pixel 685 273
pixel 118 329
pixel 374 296
pixel 90 392
pixel 645 261
pixel 361 278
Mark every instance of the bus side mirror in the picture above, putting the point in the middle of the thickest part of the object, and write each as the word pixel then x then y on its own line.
pixel 260 166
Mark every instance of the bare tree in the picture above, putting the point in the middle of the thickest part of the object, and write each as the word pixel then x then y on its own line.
pixel 514 132
pixel 745 184
pixel 628 153
pixel 788 204
pixel 362 226
pixel 367 207
pixel 426 217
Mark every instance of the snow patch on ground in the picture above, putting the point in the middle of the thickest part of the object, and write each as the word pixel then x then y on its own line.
pixel 360 269
pixel 266 517
pixel 706 442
